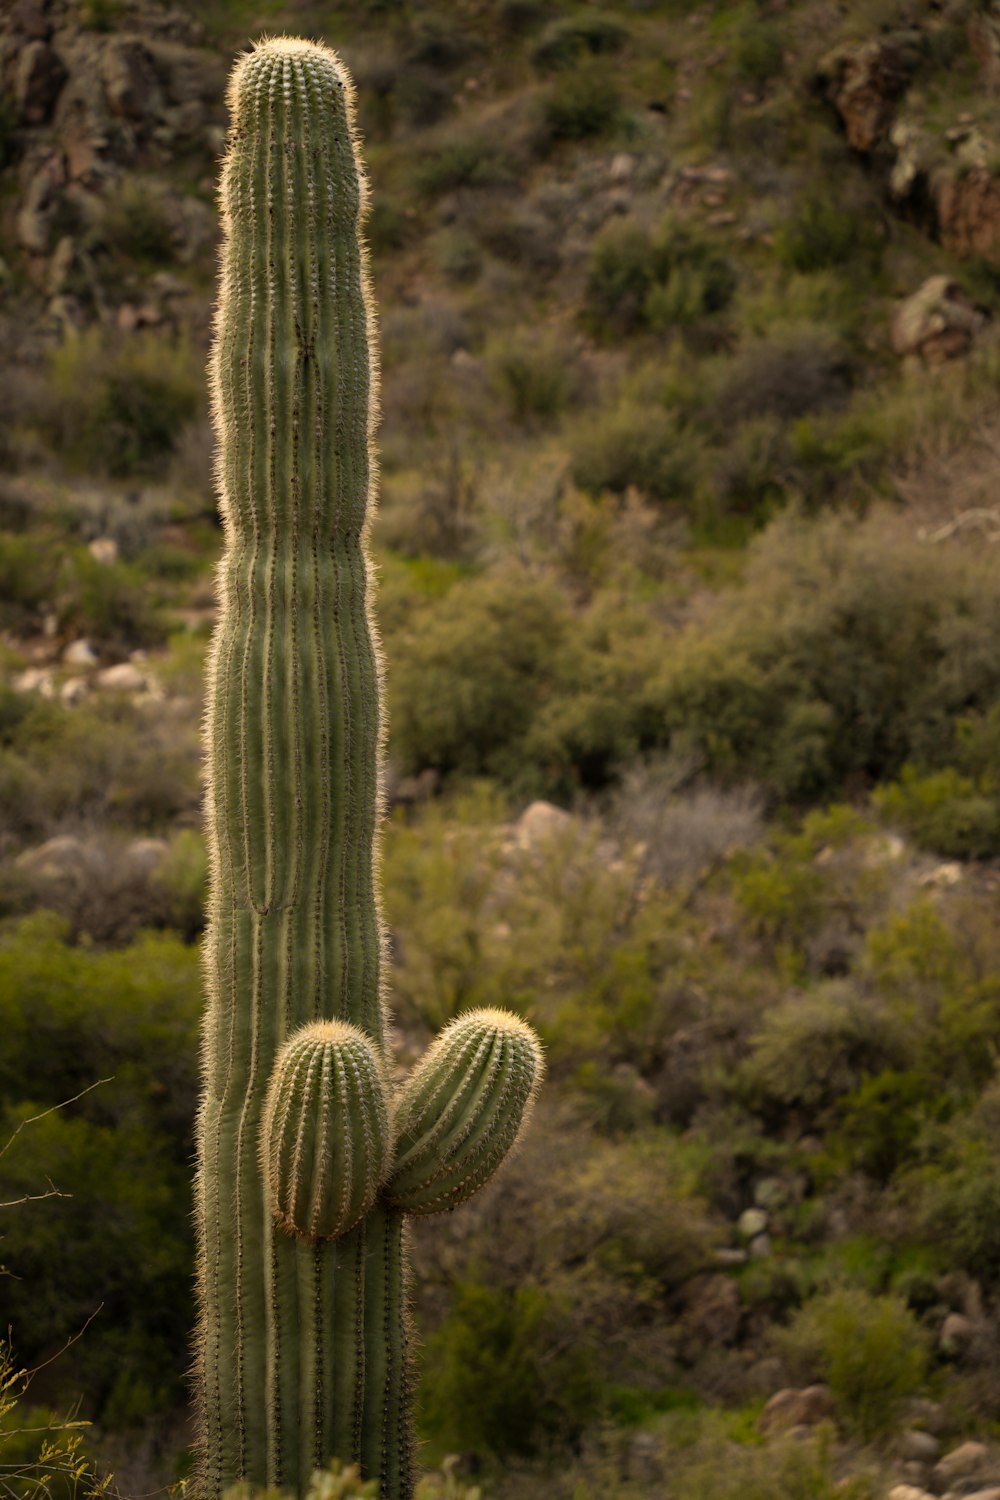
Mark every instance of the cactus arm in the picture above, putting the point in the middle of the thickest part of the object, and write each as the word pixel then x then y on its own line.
pixel 462 1110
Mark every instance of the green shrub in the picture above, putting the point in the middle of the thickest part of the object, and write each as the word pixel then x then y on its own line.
pixel 848 651
pixel 820 233
pixel 632 445
pixel 499 1376
pixel 29 573
pixel 943 812
pixel 582 103
pixel 589 33
pixel 136 223
pixel 117 1230
pixel 464 162
pixel 662 279
pixel 120 409
pixel 109 602
pixel 534 375
pixel 815 1050
pixel 950 1198
pixel 792 1468
pixel 870 1350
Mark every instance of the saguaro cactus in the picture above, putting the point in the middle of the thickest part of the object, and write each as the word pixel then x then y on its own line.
pixel 302 1186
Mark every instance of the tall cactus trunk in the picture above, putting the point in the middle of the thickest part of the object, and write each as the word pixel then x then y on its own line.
pixel 303 1335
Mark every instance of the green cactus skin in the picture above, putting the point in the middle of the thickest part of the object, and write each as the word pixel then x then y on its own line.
pixel 325 1133
pixel 303 1346
pixel 462 1110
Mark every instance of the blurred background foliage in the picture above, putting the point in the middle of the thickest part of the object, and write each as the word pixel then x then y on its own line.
pixel 688 584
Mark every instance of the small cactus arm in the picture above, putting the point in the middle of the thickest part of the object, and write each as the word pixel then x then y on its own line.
pixel 307 1166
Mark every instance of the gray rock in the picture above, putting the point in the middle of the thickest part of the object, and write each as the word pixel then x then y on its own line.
pixel 962 1461
pixel 39 78
pixel 80 653
pixel 73 691
pixel 539 824
pixel 130 86
pixel 123 678
pixel 796 1408
pixel 751 1222
pixel 957 1333
pixel 37 218
pixel 923 1447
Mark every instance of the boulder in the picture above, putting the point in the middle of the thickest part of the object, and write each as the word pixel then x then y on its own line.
pixel 968 212
pixel 123 678
pixel 908 1492
pixel 539 824
pixel 961 1462
pixel 922 1447
pixel 863 83
pixel 40 207
pixel 28 19
pixel 60 858
pixel 939 322
pixel 80 653
pixel 796 1408
pixel 39 78
pixel 752 1222
pixel 35 680
pixel 73 691
pixel 957 1333
pixel 103 549
pixel 130 86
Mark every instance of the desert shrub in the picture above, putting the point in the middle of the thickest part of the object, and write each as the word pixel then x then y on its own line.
pixel 714 1467
pixel 870 1350
pixel 29 575
pixel 582 103
pixel 880 1123
pixel 844 655
pixel 102 762
pixel 784 376
pixel 670 276
pixel 136 223
pixel 756 50
pixel 498 678
pixel 606 1235
pixel 589 33
pixel 683 832
pixel 939 975
pixel 109 602
pixel 534 376
pixel 73 1016
pixel 339 1483
pixel 633 445
pixel 944 812
pixel 470 672
pixel 457 254
pixel 461 162
pixel 501 1377
pixel 815 1049
pixel 820 232
pixel 810 894
pixel 950 1196
pixel 750 475
pixel 119 409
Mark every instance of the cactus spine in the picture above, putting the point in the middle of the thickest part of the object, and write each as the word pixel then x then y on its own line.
pixel 301 1194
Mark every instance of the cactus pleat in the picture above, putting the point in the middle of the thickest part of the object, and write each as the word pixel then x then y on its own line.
pixel 325 1134
pixel 303 1347
pixel 462 1110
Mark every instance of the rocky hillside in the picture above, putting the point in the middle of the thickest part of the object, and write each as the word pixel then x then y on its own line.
pixel 689 590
